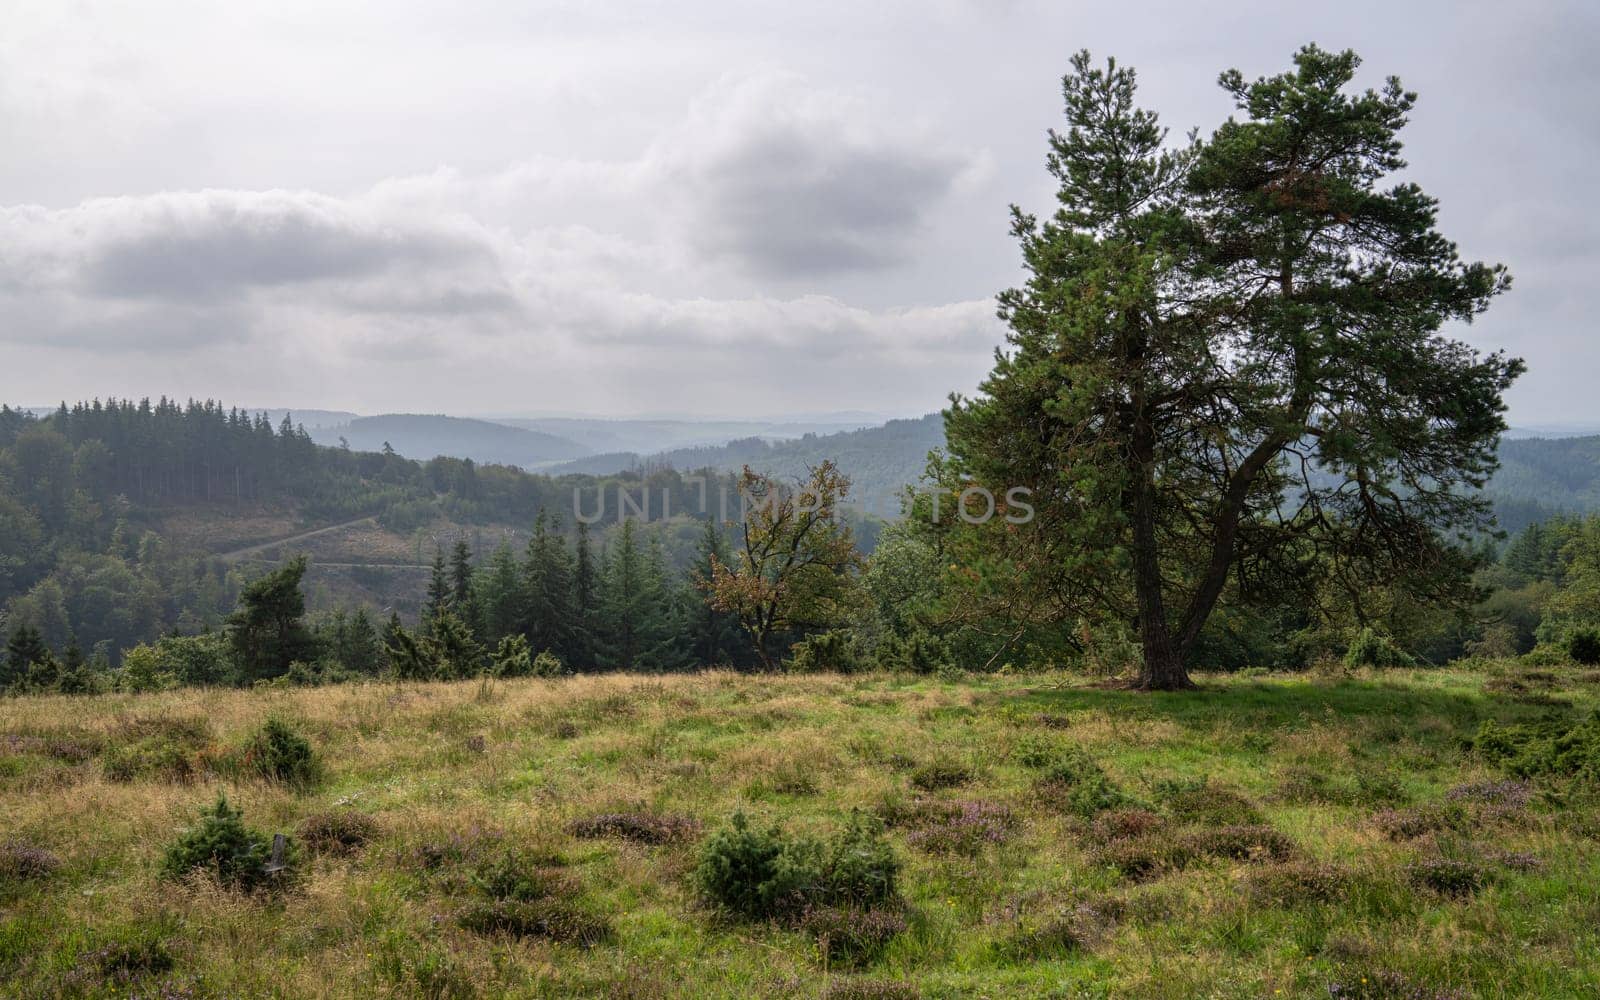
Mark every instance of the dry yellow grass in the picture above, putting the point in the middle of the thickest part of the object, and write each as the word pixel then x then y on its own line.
pixel 515 763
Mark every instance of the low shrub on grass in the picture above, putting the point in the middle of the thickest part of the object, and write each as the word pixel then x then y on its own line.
pixel 1120 824
pixel 24 864
pixel 1036 750
pixel 1074 783
pixel 760 874
pixel 1304 786
pixel 1419 821
pixel 526 896
pixel 1202 802
pixel 165 748
pixel 1378 789
pixel 221 845
pixel 850 935
pixel 1139 848
pixel 1493 800
pixel 1388 985
pixel 640 827
pixel 278 752
pixel 470 846
pixel 1517 861
pixel 1583 645
pixel 964 827
pixel 1291 883
pixel 853 988
pixel 1553 748
pixel 1144 856
pixel 1447 876
pixel 341 832
pixel 124 962
pixel 1241 842
pixel 1058 936
pixel 940 773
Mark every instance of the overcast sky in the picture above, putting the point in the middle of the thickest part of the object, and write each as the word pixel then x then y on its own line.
pixel 675 206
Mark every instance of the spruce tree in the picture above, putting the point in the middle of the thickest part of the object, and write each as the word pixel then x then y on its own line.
pixel 713 635
pixel 461 583
pixel 547 584
pixel 499 596
pixel 585 585
pixel 24 648
pixel 361 653
pixel 439 591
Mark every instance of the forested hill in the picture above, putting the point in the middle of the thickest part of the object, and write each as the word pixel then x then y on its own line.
pixel 425 436
pixel 879 460
pixel 1538 477
pixel 1543 476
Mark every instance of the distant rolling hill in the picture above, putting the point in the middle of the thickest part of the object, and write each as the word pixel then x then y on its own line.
pixel 623 436
pixel 423 437
pixel 1538 477
pixel 878 460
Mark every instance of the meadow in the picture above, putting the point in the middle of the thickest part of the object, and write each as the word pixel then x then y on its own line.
pixel 1349 834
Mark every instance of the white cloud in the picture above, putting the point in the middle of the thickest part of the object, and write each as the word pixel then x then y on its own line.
pixel 626 266
pixel 640 205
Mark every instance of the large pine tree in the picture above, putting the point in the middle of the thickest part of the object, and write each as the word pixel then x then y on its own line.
pixel 1226 366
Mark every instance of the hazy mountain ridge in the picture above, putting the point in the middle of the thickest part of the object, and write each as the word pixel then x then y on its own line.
pixel 647 436
pixel 879 460
pixel 425 436
pixel 1538 476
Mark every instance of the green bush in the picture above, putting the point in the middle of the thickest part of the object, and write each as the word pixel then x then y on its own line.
pixel 1202 802
pixel 1554 748
pixel 850 936
pixel 23 862
pixel 1240 842
pixel 511 658
pixel 1447 876
pixel 529 896
pixel 170 748
pixel 1074 782
pixel 342 832
pixel 223 846
pixel 278 752
pixel 1371 648
pixel 756 873
pixel 926 653
pixel 940 773
pixel 765 874
pixel 1583 645
pixel 825 653
pixel 548 664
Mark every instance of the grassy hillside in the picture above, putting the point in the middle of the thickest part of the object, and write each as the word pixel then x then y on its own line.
pixel 1271 836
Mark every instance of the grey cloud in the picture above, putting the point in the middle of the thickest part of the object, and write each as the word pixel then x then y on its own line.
pixel 208 244
pixel 785 180
pixel 136 273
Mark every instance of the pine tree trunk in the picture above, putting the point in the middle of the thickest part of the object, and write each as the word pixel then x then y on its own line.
pixel 1163 668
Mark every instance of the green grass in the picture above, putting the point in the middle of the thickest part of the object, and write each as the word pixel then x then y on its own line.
pixel 1008 885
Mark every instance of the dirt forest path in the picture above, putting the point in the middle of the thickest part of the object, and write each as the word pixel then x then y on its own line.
pixel 251 550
